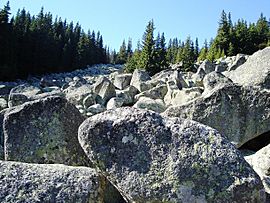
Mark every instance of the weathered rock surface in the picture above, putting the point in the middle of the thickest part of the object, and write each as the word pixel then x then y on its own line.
pixel 215 80
pixel 43 131
pixel 21 182
pixel 255 71
pixel 121 81
pixel 239 113
pixel 115 102
pixel 16 99
pixel 76 95
pixel 105 89
pixel 95 109
pixel 197 78
pixel 3 104
pixel 179 97
pixel 207 66
pixel 139 78
pixel 128 95
pixel 239 60
pixel 155 93
pixel 26 89
pixel 150 158
pixel 156 105
pixel 260 162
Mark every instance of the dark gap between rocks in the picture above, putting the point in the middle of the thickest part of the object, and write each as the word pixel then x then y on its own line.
pixel 257 143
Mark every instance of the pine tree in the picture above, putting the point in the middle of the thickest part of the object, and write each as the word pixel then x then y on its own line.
pixel 129 48
pixel 196 50
pixel 122 54
pixel 146 61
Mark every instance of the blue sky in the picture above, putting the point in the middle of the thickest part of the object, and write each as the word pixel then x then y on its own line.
pixel 120 19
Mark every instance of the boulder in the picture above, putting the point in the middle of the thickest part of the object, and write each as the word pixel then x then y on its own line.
pixel 207 66
pixel 115 102
pixel 254 72
pixel 221 67
pixel 76 95
pixel 43 131
pixel 95 109
pixel 151 158
pixel 156 105
pixel 21 94
pixel 215 80
pixel 22 182
pixel 155 93
pixel 239 113
pixel 239 60
pixel 197 78
pixel 260 162
pixel 105 89
pixel 26 89
pixel 122 81
pixel 139 78
pixel 179 97
pixel 3 104
pixel 91 99
pixel 49 82
pixel 128 95
pixel 16 99
pixel 171 76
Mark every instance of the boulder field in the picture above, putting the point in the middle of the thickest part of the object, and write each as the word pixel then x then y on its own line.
pixel 103 135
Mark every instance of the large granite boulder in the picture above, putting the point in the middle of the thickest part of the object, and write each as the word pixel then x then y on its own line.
pixel 171 76
pixel 22 182
pixel 207 66
pixel 139 79
pixel 115 102
pixel 239 113
pixel 76 95
pixel 260 162
pixel 157 92
pixel 255 71
pixel 151 158
pixel 21 94
pixel 156 105
pixel 128 95
pixel 239 60
pixel 121 81
pixel 3 104
pixel 215 80
pixel 105 89
pixel 43 131
pixel 179 97
pixel 26 89
pixel 197 78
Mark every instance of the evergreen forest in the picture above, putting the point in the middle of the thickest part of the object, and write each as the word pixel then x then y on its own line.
pixel 39 44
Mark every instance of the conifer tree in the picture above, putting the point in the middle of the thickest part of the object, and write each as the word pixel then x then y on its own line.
pixel 146 61
pixel 122 54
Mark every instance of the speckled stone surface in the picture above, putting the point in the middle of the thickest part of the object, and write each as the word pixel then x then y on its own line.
pixel 239 113
pixel 44 131
pixel 151 158
pixel 22 182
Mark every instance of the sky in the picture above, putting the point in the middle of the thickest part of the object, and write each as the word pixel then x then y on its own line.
pixel 120 19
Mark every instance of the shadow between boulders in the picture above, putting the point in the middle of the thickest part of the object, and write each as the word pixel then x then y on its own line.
pixel 257 143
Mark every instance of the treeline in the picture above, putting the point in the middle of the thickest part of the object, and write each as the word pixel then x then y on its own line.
pixel 34 45
pixel 153 54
